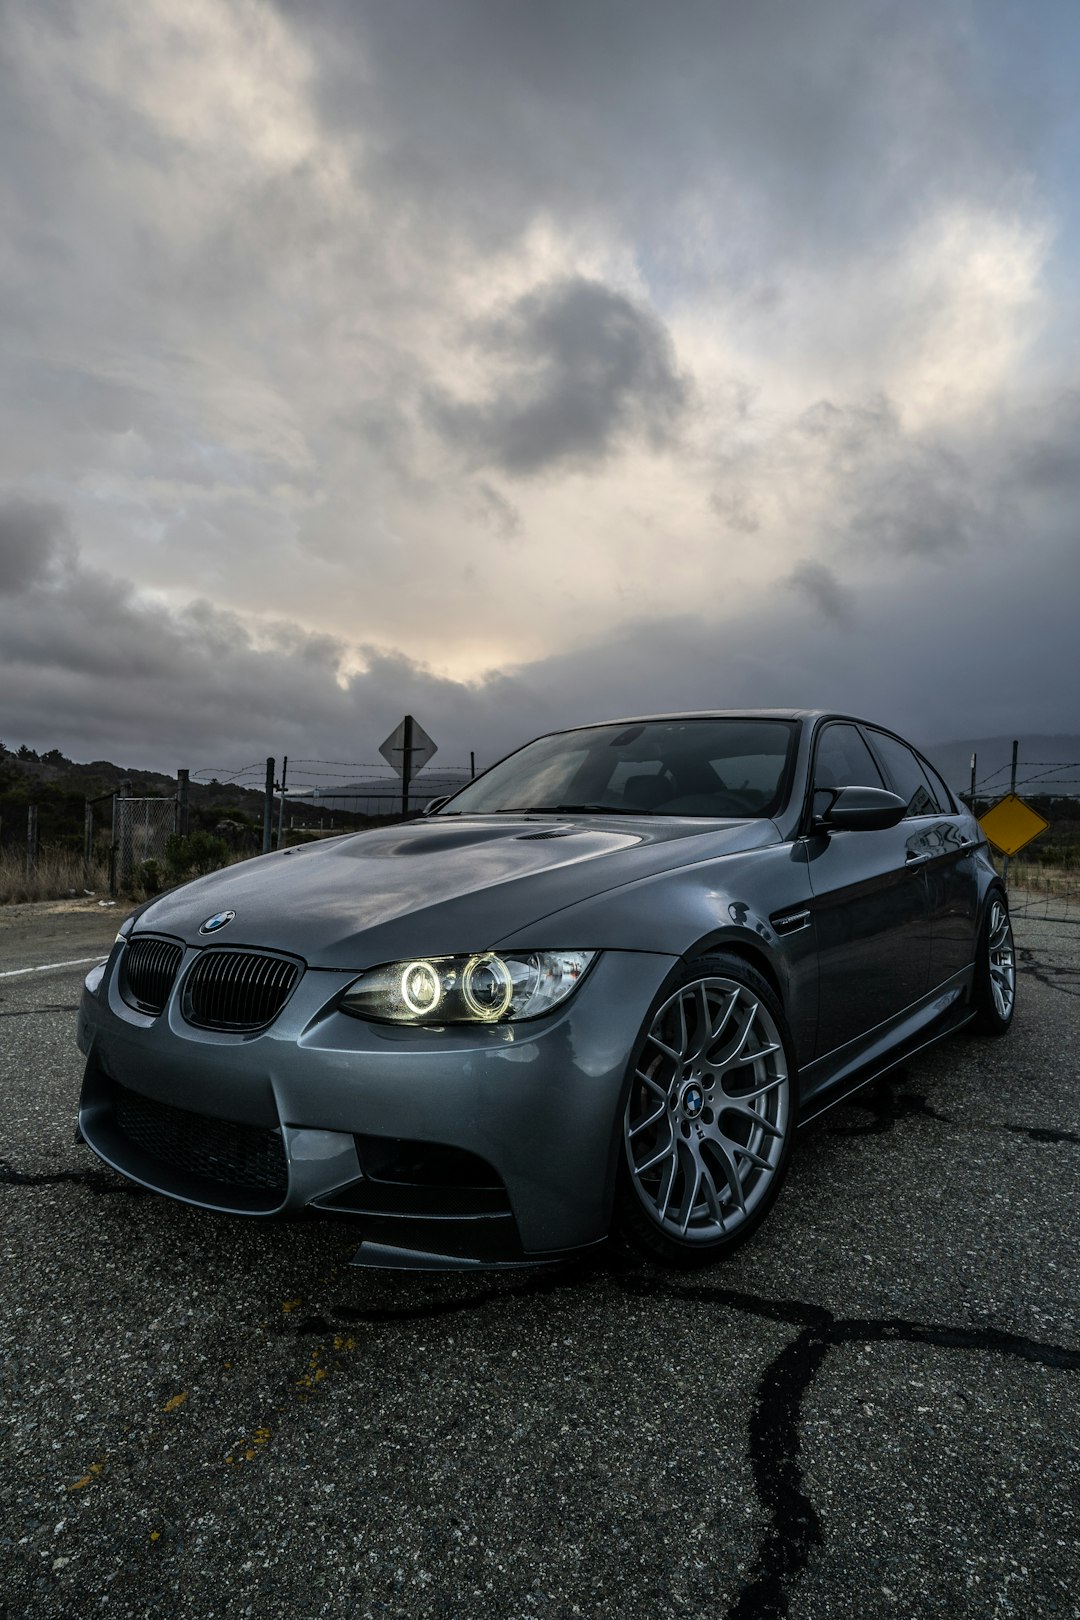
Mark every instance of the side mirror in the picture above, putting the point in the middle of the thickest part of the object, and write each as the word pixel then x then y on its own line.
pixel 861 809
pixel 435 804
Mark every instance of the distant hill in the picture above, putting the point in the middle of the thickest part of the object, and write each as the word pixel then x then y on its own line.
pixel 375 795
pixel 1045 764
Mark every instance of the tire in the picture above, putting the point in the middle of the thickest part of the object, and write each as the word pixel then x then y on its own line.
pixel 709 1115
pixel 995 969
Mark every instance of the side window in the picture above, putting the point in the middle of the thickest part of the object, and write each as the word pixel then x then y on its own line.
pixel 946 802
pixel 909 779
pixel 843 760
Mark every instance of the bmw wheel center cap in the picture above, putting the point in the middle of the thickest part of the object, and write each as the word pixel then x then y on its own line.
pixel 693 1100
pixel 216 922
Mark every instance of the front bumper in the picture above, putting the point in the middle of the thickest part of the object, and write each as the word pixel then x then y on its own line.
pixel 322 1110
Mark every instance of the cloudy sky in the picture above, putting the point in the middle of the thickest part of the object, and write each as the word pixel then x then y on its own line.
pixel 525 362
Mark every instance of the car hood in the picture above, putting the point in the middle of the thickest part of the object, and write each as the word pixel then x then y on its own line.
pixel 435 887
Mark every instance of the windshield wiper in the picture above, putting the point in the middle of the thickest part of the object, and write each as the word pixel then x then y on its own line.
pixel 593 809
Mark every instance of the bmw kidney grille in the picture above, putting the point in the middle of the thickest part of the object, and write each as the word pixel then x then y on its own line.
pixel 237 990
pixel 149 972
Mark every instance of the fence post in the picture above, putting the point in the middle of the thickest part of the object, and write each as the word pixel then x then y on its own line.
pixel 88 846
pixel 268 808
pixel 126 857
pixel 183 783
pixel 281 806
pixel 31 839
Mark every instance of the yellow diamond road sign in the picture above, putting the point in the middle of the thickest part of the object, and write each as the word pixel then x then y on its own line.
pixel 1010 824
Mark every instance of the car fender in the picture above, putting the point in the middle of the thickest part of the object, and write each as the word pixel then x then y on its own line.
pixel 743 902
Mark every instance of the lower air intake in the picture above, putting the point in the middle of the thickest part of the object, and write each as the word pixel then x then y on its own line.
pixel 238 990
pixel 220 1150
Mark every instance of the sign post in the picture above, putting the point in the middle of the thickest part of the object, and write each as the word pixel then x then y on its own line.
pixel 407 749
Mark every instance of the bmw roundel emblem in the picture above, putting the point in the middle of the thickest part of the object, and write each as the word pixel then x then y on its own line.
pixel 218 920
pixel 693 1101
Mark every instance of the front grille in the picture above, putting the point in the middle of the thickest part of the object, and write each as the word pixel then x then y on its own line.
pixel 237 990
pixel 217 1149
pixel 149 972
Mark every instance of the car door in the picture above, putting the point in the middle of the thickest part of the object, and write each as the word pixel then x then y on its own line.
pixel 946 848
pixel 870 907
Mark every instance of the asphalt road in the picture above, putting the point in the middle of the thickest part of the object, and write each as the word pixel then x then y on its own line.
pixel 871 1410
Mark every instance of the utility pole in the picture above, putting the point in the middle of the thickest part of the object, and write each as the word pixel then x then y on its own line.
pixel 268 808
pixel 472 764
pixel 971 797
pixel 281 806
pixel 1012 789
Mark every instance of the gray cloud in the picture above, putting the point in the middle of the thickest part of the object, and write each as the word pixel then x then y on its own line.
pixel 819 586
pixel 88 666
pixel 246 251
pixel 844 118
pixel 33 537
pixel 583 368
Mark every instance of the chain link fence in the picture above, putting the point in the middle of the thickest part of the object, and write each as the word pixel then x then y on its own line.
pixel 141 829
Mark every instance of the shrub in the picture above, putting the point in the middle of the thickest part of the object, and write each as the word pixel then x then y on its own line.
pixel 194 855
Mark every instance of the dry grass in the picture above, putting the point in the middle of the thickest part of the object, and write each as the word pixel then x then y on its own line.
pixel 59 875
pixel 1057 882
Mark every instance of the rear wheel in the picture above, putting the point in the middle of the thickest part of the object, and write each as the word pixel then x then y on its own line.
pixel 995 970
pixel 709 1116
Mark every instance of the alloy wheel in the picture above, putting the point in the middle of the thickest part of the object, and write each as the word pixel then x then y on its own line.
pixel 1002 960
pixel 708 1111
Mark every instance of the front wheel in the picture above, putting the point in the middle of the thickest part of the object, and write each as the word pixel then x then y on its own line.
pixel 709 1115
pixel 995 970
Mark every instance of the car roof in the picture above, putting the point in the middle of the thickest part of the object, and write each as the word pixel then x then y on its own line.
pixel 720 714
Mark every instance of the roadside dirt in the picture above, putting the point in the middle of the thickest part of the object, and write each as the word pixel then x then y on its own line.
pixel 39 931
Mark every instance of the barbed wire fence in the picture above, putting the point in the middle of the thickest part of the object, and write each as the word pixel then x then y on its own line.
pixel 323 796
pixel 1044 877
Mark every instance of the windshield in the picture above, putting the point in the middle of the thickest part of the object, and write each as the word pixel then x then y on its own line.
pixel 723 768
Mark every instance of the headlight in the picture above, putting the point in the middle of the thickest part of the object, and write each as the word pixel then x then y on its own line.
pixel 487 988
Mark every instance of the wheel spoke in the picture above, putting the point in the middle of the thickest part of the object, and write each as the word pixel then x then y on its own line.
pixel 643 1125
pixel 667 1050
pixel 736 1054
pixel 668 1150
pixel 753 1116
pixel 751 1093
pixel 712 1196
pixel 731 1172
pixel 752 1157
pixel 668 1184
pixel 691 1196
pixel 653 1085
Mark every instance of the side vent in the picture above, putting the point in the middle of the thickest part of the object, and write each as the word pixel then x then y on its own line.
pixel 789 922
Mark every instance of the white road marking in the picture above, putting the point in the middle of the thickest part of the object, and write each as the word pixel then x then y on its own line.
pixel 50 967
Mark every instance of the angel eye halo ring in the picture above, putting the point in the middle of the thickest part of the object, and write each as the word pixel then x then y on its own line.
pixel 421 988
pixel 485 987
